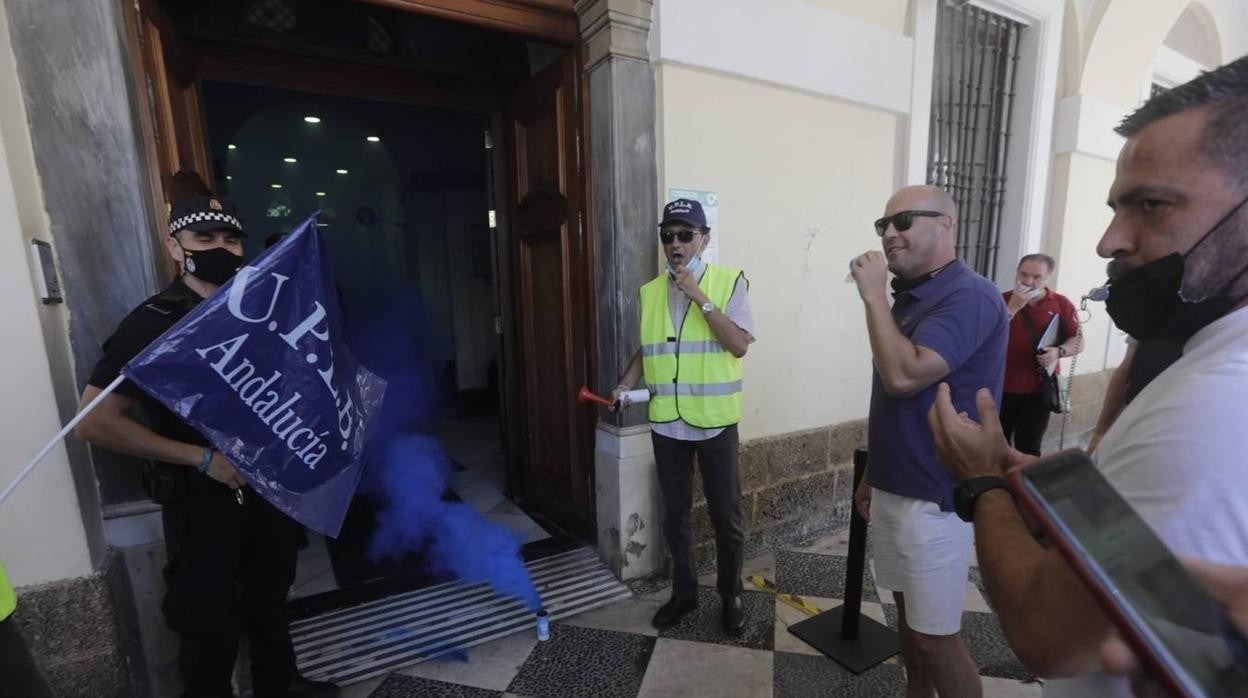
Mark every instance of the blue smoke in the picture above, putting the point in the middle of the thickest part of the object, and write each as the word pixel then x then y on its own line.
pixel 407 469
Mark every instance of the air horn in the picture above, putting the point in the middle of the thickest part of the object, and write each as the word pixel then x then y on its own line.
pixel 586 396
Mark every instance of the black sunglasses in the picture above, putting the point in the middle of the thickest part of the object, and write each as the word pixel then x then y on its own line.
pixel 685 235
pixel 902 220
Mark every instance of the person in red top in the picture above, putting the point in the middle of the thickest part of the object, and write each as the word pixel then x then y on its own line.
pixel 1032 306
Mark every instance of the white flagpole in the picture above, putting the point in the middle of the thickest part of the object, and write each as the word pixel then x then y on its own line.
pixel 30 467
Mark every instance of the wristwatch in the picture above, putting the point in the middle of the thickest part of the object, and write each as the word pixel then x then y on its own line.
pixel 708 308
pixel 968 491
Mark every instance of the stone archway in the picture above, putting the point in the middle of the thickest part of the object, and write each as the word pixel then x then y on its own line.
pixel 1122 35
pixel 1195 34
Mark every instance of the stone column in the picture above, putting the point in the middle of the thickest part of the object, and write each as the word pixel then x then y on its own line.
pixel 624 179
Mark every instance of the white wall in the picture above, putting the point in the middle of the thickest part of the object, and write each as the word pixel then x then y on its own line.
pixel 794 43
pixel 41 526
pixel 799 178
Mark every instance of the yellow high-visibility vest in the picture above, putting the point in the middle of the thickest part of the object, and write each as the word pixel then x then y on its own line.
pixel 8 600
pixel 691 376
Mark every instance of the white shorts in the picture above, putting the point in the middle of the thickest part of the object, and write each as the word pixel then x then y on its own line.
pixel 925 554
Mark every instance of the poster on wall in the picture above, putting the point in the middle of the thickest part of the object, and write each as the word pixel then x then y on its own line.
pixel 710 205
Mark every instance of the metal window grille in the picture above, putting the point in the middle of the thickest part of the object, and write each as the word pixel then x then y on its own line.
pixel 975 69
pixel 274 15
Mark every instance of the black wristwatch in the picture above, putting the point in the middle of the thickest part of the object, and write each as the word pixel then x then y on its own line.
pixel 967 491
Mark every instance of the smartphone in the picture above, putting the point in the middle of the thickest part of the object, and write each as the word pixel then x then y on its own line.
pixel 1166 615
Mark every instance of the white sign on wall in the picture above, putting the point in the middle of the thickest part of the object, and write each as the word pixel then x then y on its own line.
pixel 710 206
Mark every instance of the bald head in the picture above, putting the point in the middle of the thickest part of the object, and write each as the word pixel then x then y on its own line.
pixel 929 241
pixel 923 197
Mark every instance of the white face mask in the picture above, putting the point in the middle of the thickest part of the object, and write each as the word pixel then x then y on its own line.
pixel 694 265
pixel 1028 292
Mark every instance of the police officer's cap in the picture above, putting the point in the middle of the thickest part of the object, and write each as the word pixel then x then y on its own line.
pixel 203 214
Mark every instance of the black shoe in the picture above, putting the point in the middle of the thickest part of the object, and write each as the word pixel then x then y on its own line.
pixel 734 615
pixel 670 613
pixel 303 688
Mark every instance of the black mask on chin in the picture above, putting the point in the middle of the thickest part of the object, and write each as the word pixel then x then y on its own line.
pixel 1147 302
pixel 215 266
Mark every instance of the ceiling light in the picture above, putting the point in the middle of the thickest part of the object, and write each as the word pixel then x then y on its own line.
pixel 276 186
pixel 341 171
pixel 229 176
pixel 320 193
pixel 373 139
pixel 232 146
pixel 312 119
pixel 290 160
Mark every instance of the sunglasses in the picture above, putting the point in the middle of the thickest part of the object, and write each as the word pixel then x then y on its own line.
pixel 903 220
pixel 686 235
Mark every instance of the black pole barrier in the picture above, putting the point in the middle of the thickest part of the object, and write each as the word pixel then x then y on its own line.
pixel 855 565
pixel 842 633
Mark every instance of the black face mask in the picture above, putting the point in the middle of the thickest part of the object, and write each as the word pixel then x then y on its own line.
pixel 1147 302
pixel 215 266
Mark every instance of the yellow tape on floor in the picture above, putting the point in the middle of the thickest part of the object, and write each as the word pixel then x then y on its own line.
pixel 764 584
pixel 799 603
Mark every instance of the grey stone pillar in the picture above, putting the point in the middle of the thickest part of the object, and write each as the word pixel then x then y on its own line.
pixel 72 70
pixel 623 174
pixel 624 179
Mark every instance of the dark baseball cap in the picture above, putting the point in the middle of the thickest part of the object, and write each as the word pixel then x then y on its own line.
pixel 684 211
pixel 203 214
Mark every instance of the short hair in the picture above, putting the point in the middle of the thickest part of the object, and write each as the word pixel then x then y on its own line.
pixel 1039 257
pixel 1224 92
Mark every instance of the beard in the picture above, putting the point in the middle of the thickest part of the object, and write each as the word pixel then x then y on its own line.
pixel 1206 271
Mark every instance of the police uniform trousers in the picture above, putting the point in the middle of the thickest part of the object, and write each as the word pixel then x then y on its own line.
pixel 229 570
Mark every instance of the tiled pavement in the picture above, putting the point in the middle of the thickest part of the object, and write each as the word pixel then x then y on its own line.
pixel 613 651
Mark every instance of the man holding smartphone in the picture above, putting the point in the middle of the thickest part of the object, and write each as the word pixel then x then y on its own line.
pixel 1179 245
pixel 946 323
pixel 695 328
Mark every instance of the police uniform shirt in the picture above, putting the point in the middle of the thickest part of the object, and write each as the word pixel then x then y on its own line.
pixel 139 329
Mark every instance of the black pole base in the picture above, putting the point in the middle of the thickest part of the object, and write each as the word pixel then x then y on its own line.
pixel 874 644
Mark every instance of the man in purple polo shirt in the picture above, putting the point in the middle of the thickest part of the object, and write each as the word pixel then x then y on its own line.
pixel 946 324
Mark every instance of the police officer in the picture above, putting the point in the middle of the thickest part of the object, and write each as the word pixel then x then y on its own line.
pixel 231 555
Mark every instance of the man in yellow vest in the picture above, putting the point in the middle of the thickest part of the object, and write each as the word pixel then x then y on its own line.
pixel 17 670
pixel 695 327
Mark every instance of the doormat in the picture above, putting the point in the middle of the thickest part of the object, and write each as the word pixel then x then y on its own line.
pixel 375 638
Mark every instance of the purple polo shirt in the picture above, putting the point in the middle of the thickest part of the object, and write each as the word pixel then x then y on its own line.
pixel 959 315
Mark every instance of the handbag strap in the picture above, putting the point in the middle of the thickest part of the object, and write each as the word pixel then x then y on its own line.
pixel 1031 330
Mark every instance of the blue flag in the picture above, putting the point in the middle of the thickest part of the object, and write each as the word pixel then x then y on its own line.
pixel 262 370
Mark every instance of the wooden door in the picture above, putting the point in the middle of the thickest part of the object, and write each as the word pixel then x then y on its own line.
pixel 170 113
pixel 552 312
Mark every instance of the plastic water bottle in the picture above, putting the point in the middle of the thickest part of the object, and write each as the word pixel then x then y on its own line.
pixel 543 624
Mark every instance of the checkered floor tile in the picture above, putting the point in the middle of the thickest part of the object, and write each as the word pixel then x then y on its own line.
pixel 614 651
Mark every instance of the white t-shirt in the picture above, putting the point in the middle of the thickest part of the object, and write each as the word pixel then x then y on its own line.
pixel 1177 455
